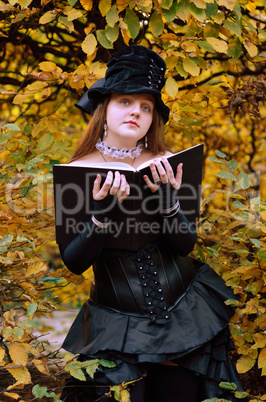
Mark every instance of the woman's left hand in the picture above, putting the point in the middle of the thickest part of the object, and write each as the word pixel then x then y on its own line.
pixel 162 173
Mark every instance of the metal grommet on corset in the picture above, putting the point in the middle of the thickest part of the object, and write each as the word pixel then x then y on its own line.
pixel 152 289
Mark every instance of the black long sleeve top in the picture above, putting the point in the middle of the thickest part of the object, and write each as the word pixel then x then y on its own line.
pixel 80 253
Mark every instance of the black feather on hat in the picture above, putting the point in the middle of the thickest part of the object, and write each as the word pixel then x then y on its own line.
pixel 132 70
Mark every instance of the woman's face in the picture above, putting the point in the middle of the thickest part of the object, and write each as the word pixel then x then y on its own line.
pixel 128 118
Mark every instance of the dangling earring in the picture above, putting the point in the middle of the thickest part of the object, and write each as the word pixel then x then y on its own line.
pixel 105 130
pixel 146 141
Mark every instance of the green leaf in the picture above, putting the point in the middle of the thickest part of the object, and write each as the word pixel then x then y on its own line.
pixel 32 307
pixel 233 27
pixel 228 385
pixel 156 24
pixel 198 13
pixel 243 180
pixel 133 24
pixel 233 302
pixel 220 154
pixel 45 142
pixel 12 127
pixel 211 30
pixel 103 40
pixel 33 163
pixel 104 6
pixel 107 363
pixel 241 252
pixel 232 164
pixel 72 2
pixel 191 67
pixel 205 46
pixel 6 239
pixel 166 4
pixel 238 204
pixel 91 367
pixel 226 176
pixel 211 9
pixel 112 33
pixel 234 49
pixel 216 160
pixel 78 373
pixel 256 242
pixel 22 238
pixel 68 24
pixel 241 395
pixel 112 16
pixel 39 391
pixel 183 10
pixel 19 332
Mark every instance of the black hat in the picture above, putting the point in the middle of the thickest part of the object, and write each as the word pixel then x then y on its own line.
pixel 132 70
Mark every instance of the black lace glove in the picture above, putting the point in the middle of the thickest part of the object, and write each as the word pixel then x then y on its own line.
pixel 104 210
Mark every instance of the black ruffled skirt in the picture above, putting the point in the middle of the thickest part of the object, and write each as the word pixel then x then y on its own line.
pixel 196 337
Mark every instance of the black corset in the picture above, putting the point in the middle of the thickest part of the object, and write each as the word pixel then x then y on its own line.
pixel 147 282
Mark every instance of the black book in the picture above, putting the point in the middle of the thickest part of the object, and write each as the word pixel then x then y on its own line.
pixel 137 220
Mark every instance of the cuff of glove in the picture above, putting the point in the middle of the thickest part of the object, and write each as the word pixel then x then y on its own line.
pixel 167 213
pixel 102 225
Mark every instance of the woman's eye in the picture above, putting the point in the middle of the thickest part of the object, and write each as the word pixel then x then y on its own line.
pixel 124 102
pixel 146 108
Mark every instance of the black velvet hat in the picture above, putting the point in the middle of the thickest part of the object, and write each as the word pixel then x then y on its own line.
pixel 132 70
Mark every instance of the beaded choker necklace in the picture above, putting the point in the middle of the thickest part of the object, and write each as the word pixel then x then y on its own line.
pixel 118 153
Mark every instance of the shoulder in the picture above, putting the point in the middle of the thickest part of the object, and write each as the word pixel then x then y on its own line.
pixel 93 157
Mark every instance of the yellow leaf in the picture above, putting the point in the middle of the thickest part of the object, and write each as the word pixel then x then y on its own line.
pixel 18 354
pixel 143 3
pixel 47 66
pixel 260 340
pixel 86 4
pixel 189 46
pixel 73 14
pixel 218 44
pixel 31 349
pixel 171 87
pixel 169 36
pixel 199 3
pixel 36 268
pixel 251 6
pixel 104 6
pixel 244 364
pixel 21 374
pixel 41 366
pixel 89 28
pixel 229 4
pixel 2 354
pixel 36 86
pixel 262 359
pixel 124 396
pixel 11 395
pixel 47 17
pixel 24 3
pixel 122 4
pixel 251 48
pixel 18 99
pixel 89 44
pixel 191 67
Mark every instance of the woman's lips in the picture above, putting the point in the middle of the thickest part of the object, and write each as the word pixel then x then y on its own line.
pixel 131 122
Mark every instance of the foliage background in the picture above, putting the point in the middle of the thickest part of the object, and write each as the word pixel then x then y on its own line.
pixel 50 53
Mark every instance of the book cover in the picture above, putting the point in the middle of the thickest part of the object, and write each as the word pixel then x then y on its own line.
pixel 136 218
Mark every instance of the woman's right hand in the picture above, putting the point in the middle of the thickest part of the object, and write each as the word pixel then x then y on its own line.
pixel 114 185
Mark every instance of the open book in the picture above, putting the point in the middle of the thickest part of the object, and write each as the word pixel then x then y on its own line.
pixel 73 197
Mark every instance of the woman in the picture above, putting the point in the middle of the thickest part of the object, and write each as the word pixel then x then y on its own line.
pixel 159 315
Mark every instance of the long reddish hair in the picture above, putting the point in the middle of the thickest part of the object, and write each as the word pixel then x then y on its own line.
pixel 94 131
